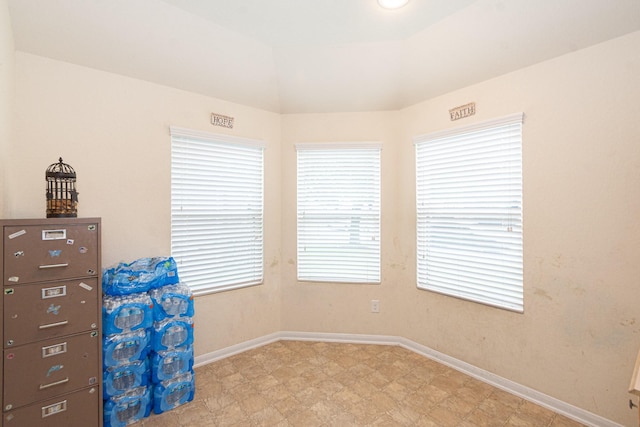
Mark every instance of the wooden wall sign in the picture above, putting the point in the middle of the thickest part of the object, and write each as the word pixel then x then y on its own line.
pixel 463 111
pixel 220 120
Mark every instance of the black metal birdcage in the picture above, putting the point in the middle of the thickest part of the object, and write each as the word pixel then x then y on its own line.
pixel 62 197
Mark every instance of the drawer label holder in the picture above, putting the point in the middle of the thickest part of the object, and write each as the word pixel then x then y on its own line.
pixel 60 234
pixel 53 409
pixel 54 350
pixel 58 291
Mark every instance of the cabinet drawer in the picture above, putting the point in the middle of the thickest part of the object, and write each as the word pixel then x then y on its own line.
pixel 39 311
pixel 80 408
pixel 42 370
pixel 38 253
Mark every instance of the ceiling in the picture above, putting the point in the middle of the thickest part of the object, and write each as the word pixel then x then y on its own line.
pixel 315 56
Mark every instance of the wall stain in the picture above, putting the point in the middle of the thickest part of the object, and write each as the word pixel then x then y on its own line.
pixel 401 266
pixel 291 261
pixel 542 293
pixel 275 262
pixel 628 322
pixel 579 291
pixel 558 261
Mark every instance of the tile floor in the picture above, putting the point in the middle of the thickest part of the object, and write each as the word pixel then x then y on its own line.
pixel 307 384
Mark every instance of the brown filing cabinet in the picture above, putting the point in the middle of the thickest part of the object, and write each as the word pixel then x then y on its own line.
pixel 50 320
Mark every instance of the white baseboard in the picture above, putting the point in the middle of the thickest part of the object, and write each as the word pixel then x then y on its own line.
pixel 534 396
pixel 344 338
pixel 551 403
pixel 235 349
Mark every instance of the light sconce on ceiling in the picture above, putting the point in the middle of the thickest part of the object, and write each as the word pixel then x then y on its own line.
pixel 392 4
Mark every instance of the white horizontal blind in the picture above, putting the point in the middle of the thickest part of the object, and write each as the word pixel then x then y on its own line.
pixel 339 212
pixel 469 212
pixel 216 210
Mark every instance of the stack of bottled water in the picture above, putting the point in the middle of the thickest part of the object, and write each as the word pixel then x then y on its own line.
pixel 147 340
pixel 172 347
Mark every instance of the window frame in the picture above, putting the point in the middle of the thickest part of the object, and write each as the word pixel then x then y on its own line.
pixel 247 217
pixel 483 264
pixel 364 266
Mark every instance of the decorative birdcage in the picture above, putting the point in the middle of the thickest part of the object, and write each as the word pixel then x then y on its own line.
pixel 62 197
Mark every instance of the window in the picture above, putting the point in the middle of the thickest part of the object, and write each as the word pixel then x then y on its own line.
pixel 216 210
pixel 469 212
pixel 339 212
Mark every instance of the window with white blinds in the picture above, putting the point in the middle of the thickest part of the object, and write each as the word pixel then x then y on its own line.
pixel 469 212
pixel 216 210
pixel 339 212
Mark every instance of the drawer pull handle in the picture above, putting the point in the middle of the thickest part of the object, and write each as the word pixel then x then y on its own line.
pixel 46 386
pixel 43 267
pixel 53 325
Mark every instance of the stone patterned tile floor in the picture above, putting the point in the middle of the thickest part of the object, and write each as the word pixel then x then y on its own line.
pixel 307 384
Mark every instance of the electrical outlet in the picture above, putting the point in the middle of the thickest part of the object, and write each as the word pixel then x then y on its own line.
pixel 375 306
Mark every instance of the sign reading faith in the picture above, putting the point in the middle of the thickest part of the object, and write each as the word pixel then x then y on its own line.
pixel 220 120
pixel 463 111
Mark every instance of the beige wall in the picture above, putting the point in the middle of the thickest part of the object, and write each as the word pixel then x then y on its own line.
pixel 114 131
pixel 338 307
pixel 580 332
pixel 6 96
pixel 579 335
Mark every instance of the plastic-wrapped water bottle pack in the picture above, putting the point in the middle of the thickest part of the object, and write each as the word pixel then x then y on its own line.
pixel 172 301
pixel 138 276
pixel 167 364
pixel 147 319
pixel 120 349
pixel 119 379
pixel 126 313
pixel 172 333
pixel 174 392
pixel 127 408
